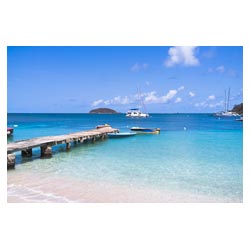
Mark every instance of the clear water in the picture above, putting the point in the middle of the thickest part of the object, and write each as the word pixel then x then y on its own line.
pixel 195 154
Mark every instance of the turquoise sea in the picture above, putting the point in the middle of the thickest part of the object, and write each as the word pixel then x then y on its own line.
pixel 195 158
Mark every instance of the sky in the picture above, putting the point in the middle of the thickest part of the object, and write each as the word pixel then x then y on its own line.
pixel 166 79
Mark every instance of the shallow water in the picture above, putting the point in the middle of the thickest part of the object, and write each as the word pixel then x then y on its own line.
pixel 202 163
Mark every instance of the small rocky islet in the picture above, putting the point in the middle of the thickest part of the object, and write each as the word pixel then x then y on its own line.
pixel 103 111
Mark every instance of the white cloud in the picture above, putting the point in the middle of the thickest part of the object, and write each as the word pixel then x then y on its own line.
pixel 181 88
pixel 148 97
pixel 137 67
pixel 182 55
pixel 178 99
pixel 238 95
pixel 218 104
pixel 211 97
pixel 220 69
pixel 125 100
pixel 191 94
pixel 107 102
pixel 232 73
pixel 95 103
pixel 206 104
pixel 210 53
pixel 169 95
pixel 201 104
pixel 151 97
pixel 119 100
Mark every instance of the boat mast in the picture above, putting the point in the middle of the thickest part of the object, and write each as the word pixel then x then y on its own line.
pixel 225 100
pixel 228 97
pixel 139 96
pixel 141 102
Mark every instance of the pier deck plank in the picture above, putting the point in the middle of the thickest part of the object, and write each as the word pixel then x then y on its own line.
pixel 55 140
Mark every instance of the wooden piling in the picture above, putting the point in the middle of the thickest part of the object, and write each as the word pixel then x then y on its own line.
pixel 45 143
pixel 11 160
pixel 46 152
pixel 27 152
pixel 68 146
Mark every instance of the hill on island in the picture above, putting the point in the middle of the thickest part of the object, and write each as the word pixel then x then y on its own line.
pixel 103 111
pixel 238 109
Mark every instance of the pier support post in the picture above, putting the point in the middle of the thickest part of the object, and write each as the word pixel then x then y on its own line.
pixel 67 146
pixel 103 136
pixel 27 152
pixel 46 152
pixel 93 139
pixel 11 161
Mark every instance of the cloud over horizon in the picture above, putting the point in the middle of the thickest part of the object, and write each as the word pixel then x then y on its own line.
pixel 208 103
pixel 211 97
pixel 178 99
pixel 148 98
pixel 191 94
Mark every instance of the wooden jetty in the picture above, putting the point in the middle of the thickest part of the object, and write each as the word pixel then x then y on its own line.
pixel 45 143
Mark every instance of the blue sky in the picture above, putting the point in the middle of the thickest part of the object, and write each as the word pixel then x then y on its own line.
pixel 78 79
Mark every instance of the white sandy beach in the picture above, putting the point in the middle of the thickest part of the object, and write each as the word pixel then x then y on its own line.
pixel 28 187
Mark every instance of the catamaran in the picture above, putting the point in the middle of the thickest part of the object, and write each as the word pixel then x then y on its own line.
pixel 136 113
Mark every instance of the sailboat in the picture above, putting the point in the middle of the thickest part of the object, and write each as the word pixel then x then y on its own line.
pixel 136 112
pixel 227 113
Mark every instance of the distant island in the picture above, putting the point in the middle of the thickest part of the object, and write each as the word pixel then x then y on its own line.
pixel 238 109
pixel 103 111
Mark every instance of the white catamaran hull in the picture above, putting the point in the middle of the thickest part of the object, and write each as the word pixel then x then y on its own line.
pixel 136 113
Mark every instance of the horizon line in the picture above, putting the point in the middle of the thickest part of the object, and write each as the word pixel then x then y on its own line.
pixel 106 113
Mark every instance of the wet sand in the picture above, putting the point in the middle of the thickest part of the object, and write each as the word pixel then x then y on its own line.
pixel 33 187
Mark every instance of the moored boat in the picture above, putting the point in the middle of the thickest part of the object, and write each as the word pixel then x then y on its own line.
pixel 146 130
pixel 103 126
pixel 136 113
pixel 10 131
pixel 121 135
pixel 226 113
pixel 240 119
